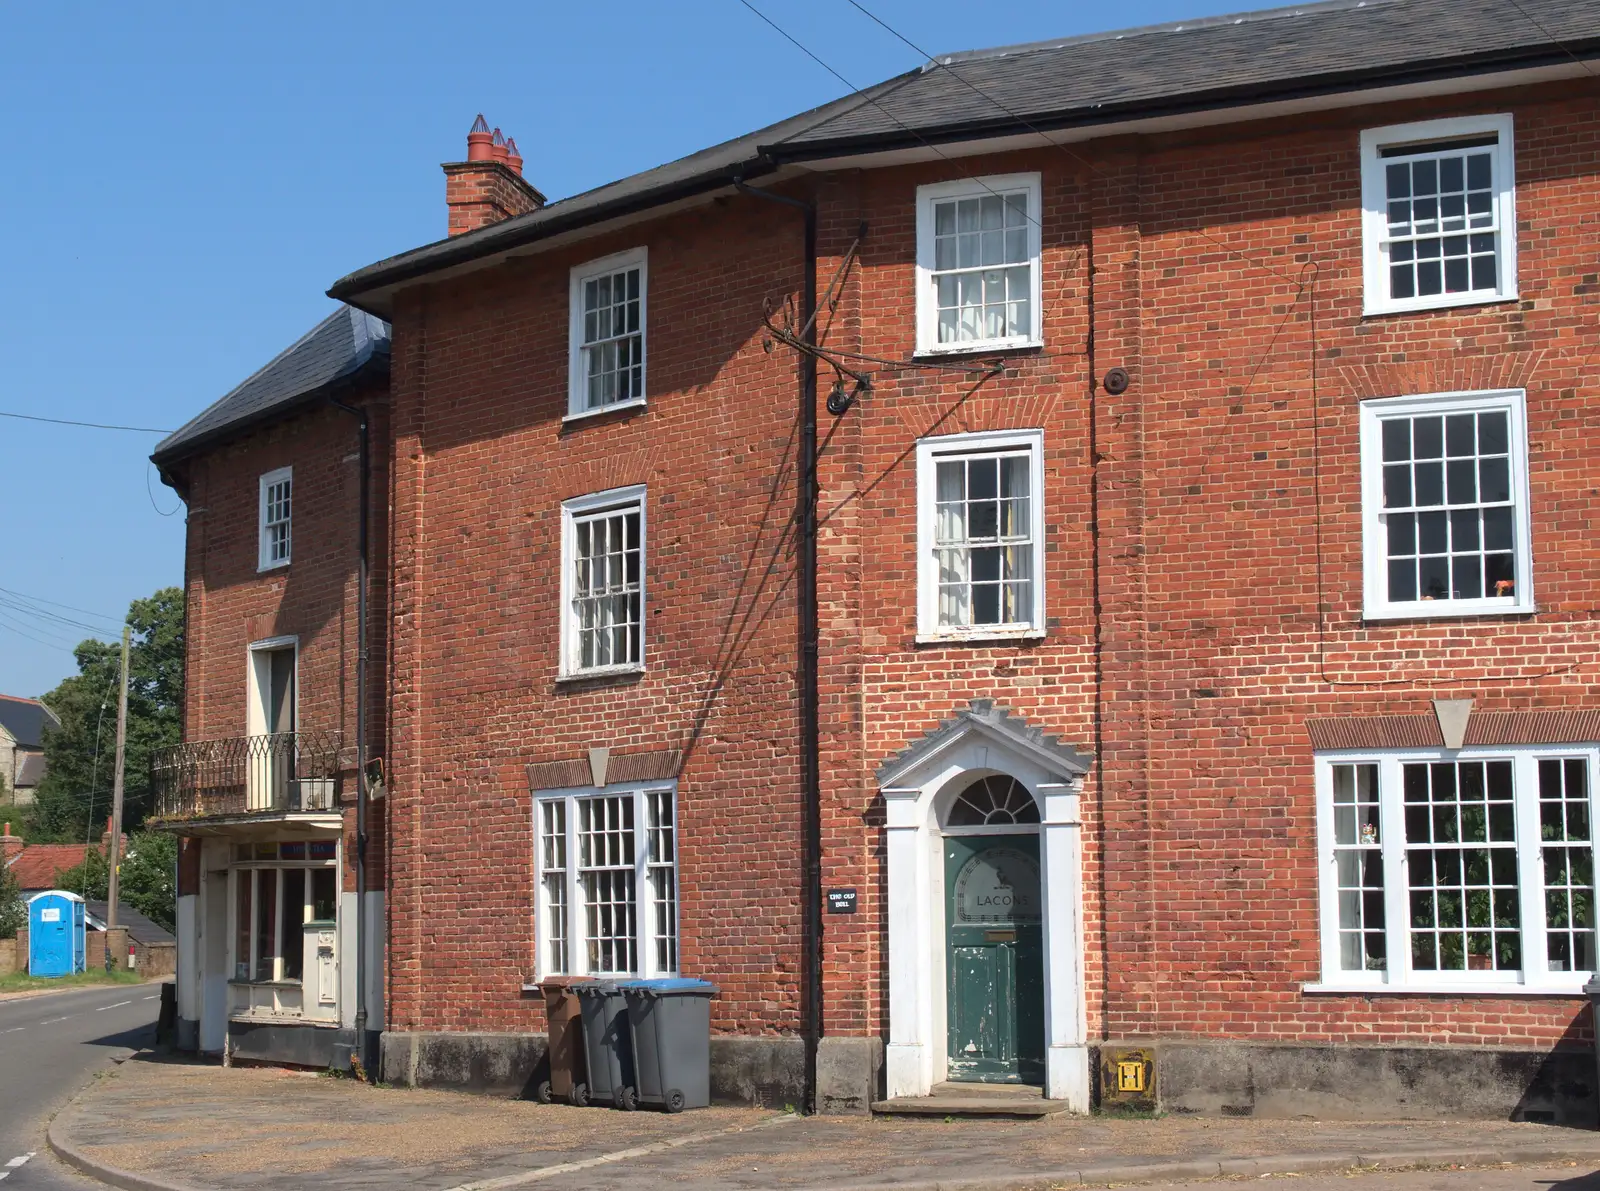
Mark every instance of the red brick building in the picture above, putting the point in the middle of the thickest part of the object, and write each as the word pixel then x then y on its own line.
pixel 1188 647
pixel 273 904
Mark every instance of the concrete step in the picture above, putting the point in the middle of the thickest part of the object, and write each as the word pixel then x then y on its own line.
pixel 973 1100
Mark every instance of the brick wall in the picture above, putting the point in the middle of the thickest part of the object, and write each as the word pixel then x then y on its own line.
pixel 1202 566
pixel 483 462
pixel 231 603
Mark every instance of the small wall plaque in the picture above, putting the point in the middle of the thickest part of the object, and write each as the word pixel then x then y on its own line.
pixel 841 901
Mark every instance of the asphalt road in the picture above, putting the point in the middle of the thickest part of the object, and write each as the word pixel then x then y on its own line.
pixel 1508 1178
pixel 50 1046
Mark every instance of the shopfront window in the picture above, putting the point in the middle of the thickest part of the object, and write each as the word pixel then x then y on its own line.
pixel 278 888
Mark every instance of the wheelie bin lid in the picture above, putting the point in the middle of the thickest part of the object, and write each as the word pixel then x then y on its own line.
pixel 667 986
pixel 595 988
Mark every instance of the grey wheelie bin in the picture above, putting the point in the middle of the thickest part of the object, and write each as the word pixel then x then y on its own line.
pixel 607 1043
pixel 670 1021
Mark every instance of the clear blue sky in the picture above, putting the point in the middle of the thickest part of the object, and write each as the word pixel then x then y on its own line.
pixel 183 181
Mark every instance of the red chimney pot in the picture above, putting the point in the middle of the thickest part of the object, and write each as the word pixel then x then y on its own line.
pixel 498 146
pixel 513 156
pixel 480 141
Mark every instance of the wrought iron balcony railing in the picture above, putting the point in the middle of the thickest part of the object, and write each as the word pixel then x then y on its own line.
pixel 247 775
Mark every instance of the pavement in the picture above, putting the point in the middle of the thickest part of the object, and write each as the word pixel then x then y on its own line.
pixel 157 1124
pixel 50 1044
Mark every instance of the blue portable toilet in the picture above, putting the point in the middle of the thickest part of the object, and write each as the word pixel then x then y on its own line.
pixel 55 933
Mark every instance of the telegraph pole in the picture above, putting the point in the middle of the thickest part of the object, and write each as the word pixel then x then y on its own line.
pixel 115 846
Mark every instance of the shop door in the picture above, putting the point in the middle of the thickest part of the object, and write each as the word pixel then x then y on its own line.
pixel 995 959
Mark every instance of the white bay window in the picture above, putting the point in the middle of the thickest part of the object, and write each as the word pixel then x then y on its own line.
pixel 1458 871
pixel 607 881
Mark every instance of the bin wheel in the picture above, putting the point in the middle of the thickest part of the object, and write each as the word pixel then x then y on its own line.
pixel 626 1099
pixel 579 1096
pixel 542 1092
pixel 675 1101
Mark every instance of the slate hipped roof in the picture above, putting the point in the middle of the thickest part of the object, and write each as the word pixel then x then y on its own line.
pixel 346 343
pixel 1081 82
pixel 140 929
pixel 26 720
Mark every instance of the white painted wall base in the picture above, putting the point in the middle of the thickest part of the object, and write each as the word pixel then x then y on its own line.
pixel 187 976
pixel 904 1070
pixel 1066 1076
pixel 347 959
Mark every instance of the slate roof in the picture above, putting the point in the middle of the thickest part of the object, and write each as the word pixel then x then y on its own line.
pixel 1215 62
pixel 35 867
pixel 1000 722
pixel 140 928
pixel 1183 65
pixel 26 720
pixel 341 345
pixel 30 770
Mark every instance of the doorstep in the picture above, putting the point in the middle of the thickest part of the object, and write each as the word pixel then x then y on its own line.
pixel 973 1100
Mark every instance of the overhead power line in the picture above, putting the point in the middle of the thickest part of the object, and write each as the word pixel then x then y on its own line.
pixel 33 599
pixel 85 425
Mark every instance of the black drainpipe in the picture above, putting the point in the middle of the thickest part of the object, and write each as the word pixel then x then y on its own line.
pixel 806 613
pixel 362 651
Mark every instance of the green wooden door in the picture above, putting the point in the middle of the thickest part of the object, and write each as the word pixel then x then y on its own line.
pixel 995 948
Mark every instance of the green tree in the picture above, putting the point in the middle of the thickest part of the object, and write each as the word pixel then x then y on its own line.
pixel 13 910
pixel 148 876
pixel 74 797
pixel 90 880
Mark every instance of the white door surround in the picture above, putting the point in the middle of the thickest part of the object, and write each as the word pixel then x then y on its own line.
pixel 918 786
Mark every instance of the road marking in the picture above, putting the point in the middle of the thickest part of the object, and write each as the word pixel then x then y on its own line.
pixel 154 998
pixel 21 1159
pixel 50 1021
pixel 16 1029
pixel 548 1172
pixel 118 1005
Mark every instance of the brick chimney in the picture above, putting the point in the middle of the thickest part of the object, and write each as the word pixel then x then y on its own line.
pixel 488 186
pixel 105 841
pixel 10 845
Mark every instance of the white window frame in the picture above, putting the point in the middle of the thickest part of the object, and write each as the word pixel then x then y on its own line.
pixel 1535 977
pixel 577 381
pixel 927 307
pixel 1375 218
pixel 1375 574
pixel 244 870
pixel 645 934
pixel 929 452
pixel 264 559
pixel 572 511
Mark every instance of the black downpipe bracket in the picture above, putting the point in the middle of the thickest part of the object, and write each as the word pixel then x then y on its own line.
pixel 806 613
pixel 363 652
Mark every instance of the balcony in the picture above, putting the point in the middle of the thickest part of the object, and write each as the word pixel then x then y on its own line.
pixel 242 776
